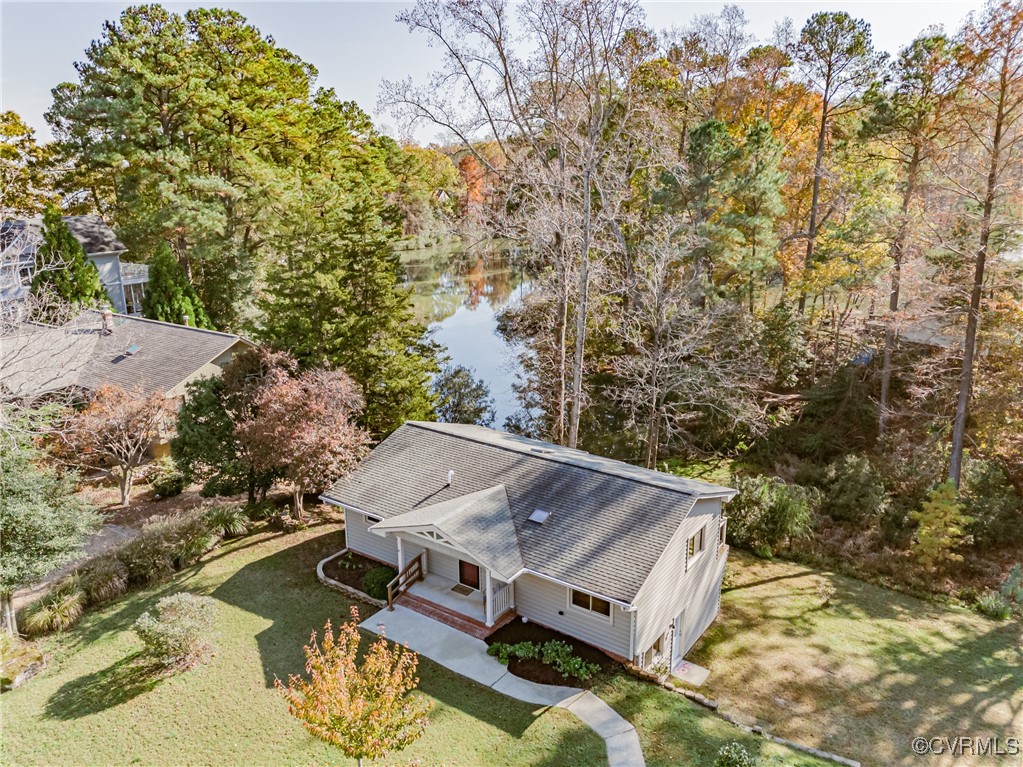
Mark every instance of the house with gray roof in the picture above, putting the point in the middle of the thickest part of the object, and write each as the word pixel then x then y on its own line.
pixel 483 526
pixel 124 282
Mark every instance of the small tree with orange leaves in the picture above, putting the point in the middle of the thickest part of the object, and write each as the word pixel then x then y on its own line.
pixel 366 709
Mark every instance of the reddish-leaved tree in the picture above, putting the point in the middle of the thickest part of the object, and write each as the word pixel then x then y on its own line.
pixel 116 430
pixel 365 709
pixel 307 425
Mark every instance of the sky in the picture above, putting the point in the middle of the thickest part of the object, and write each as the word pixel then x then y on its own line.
pixel 355 45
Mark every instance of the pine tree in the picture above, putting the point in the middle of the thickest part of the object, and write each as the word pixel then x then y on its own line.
pixel 170 297
pixel 64 277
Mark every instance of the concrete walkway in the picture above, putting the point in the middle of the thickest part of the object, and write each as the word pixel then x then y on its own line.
pixel 467 656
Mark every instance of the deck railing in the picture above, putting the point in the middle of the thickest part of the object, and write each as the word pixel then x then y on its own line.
pixel 502 600
pixel 411 573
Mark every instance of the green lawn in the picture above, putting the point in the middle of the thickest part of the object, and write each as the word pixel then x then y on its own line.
pixel 865 675
pixel 90 706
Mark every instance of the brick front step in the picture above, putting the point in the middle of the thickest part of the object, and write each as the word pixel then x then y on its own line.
pixel 451 618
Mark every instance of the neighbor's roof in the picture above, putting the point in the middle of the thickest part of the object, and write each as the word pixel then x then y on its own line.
pixel 480 523
pixel 162 355
pixel 609 521
pixel 94 235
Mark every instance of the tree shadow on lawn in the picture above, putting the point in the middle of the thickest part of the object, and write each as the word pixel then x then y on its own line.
pixel 283 589
pixel 116 684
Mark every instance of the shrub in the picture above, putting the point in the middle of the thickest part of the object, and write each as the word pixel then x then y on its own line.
pixel 734 755
pixel 180 635
pixel 941 527
pixel 768 512
pixel 103 579
pixel 259 510
pixel 1012 587
pixel 165 479
pixel 994 605
pixel 375 581
pixel 57 611
pixel 227 521
pixel 166 545
pixel 854 490
pixel 994 504
pixel 553 653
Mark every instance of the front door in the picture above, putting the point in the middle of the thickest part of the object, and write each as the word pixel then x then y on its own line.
pixel 468 574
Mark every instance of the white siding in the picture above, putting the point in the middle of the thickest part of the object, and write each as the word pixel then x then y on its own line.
pixel 361 540
pixel 673 587
pixel 547 603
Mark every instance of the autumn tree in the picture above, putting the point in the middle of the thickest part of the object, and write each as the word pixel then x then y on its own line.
pixel 366 708
pixel 26 184
pixel 43 522
pixel 990 118
pixel 116 429
pixel 62 272
pixel 941 527
pixel 306 426
pixel 837 57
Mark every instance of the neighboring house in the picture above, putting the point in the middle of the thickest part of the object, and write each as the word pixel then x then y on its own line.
pixel 124 282
pixel 104 349
pixel 627 559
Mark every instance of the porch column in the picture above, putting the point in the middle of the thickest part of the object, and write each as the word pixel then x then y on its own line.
pixel 490 600
pixel 401 554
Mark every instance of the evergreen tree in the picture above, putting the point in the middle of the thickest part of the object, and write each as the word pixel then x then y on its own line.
pixel 941 527
pixel 336 299
pixel 169 296
pixel 64 277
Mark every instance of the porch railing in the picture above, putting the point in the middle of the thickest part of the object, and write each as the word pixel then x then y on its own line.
pixel 502 600
pixel 411 573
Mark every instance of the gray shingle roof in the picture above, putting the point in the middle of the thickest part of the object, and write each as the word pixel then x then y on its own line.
pixel 94 235
pixel 166 354
pixel 480 523
pixel 609 521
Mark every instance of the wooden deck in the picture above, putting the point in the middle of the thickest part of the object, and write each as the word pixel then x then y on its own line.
pixel 451 618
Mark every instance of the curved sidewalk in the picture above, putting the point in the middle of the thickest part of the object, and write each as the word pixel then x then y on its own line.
pixel 467 656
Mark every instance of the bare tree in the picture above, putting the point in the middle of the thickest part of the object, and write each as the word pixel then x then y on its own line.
pixel 990 117
pixel 116 429
pixel 553 88
pixel 682 361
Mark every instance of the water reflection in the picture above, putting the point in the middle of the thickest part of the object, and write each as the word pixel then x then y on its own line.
pixel 459 295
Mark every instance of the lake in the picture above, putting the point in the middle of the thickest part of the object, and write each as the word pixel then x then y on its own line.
pixel 459 295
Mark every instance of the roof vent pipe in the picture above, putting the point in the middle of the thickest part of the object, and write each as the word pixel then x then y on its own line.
pixel 108 322
pixel 185 318
pixel 451 476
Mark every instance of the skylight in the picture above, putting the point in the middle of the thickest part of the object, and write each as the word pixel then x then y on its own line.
pixel 539 516
pixel 133 349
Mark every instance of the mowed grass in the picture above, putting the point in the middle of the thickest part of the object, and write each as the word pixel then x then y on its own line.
pixel 92 707
pixel 865 675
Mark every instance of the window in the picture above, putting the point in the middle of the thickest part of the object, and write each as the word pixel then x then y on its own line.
pixel 133 294
pixel 585 601
pixel 722 527
pixel 696 543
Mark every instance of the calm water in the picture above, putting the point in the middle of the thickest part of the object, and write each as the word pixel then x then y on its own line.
pixel 459 296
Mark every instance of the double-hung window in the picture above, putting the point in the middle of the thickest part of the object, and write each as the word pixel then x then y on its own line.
pixel 697 543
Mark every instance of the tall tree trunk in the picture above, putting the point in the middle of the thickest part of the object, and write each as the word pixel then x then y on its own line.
pixel 299 501
pixel 580 316
pixel 10 620
pixel 818 169
pixel 559 426
pixel 955 464
pixel 898 252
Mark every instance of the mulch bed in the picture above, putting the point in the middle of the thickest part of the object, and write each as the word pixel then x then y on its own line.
pixel 534 670
pixel 350 577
